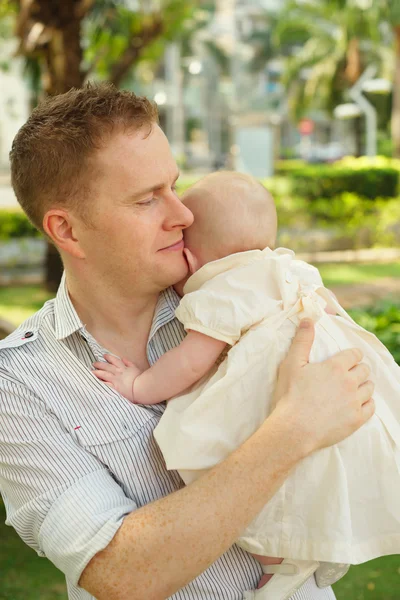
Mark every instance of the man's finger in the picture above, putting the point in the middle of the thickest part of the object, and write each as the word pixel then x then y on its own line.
pixel 361 372
pixel 365 392
pixel 368 410
pixel 348 358
pixel 300 349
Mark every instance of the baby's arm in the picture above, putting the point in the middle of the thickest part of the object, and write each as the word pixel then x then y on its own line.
pixel 171 374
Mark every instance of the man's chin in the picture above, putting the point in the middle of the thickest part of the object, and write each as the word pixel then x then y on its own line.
pixel 176 276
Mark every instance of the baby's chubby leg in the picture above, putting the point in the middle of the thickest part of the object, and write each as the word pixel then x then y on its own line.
pixel 266 560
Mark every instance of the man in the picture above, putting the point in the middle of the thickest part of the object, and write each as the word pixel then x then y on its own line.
pixel 83 480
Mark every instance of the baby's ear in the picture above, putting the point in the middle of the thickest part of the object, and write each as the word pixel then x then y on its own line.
pixel 192 261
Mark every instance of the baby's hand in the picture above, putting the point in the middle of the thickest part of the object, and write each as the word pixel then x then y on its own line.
pixel 118 374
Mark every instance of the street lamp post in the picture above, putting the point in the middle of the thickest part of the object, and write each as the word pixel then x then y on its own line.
pixel 366 83
pixel 367 108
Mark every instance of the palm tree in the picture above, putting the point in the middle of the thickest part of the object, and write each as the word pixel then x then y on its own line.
pixel 340 38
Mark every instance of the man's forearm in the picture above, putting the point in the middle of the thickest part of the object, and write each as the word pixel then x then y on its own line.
pixel 164 545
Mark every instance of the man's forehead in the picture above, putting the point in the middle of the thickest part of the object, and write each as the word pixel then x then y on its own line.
pixel 139 156
pixel 140 143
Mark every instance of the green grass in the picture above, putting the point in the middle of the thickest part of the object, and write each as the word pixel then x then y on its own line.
pixel 376 580
pixel 25 576
pixel 18 303
pixel 349 273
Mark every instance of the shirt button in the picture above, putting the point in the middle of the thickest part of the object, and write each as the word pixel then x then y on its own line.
pixel 28 334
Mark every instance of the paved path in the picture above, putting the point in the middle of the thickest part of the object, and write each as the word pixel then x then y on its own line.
pixel 368 294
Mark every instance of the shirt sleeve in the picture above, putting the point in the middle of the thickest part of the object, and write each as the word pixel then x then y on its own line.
pixel 227 305
pixel 60 499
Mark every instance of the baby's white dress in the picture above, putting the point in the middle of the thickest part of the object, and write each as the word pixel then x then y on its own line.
pixel 341 504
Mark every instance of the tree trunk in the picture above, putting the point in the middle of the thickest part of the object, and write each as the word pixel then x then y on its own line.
pixel 353 59
pixel 62 61
pixel 63 58
pixel 358 137
pixel 396 97
pixel 50 33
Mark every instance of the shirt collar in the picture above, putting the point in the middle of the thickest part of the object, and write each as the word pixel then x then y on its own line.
pixel 65 315
pixel 164 312
pixel 67 321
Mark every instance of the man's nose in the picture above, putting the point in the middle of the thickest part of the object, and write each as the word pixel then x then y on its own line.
pixel 179 216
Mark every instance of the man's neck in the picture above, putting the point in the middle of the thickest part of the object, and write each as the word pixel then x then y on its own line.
pixel 119 323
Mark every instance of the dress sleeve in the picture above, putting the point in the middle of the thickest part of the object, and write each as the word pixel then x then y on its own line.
pixel 59 498
pixel 227 305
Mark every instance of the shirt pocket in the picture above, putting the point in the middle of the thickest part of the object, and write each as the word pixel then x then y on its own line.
pixel 125 446
pixel 110 426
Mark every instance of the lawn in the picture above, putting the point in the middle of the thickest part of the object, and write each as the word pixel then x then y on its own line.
pixel 18 303
pixel 350 273
pixel 24 576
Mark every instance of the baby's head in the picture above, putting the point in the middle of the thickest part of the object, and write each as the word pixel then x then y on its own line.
pixel 232 213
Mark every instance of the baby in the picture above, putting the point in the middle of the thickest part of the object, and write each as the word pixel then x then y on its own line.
pixel 241 306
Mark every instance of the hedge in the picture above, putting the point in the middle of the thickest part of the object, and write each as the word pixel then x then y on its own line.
pixel 327 182
pixel 15 224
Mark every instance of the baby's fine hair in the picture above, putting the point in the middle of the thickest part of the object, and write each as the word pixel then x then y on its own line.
pixel 234 212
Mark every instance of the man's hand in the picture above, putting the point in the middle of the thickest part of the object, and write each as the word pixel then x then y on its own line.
pixel 326 401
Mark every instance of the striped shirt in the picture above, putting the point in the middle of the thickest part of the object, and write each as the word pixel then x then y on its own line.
pixel 76 457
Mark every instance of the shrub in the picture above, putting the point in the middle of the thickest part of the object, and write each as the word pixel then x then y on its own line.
pixel 15 224
pixel 384 321
pixel 286 167
pixel 365 176
pixel 315 182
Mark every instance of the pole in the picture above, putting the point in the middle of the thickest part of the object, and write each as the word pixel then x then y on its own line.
pixel 368 110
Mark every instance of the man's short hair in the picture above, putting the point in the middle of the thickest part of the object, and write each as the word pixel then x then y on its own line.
pixel 51 154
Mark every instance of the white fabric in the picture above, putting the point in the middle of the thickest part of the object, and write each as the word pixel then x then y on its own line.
pixel 342 503
pixel 290 576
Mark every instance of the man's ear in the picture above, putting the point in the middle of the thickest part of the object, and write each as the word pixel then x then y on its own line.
pixel 192 261
pixel 59 226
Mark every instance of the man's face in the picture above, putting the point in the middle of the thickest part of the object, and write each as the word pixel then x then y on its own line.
pixel 136 241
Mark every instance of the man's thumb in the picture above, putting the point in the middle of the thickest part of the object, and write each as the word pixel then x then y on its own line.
pixel 301 346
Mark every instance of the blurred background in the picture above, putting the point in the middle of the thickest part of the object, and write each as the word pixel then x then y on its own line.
pixel 303 94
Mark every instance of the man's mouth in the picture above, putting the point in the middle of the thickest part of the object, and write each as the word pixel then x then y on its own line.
pixel 174 247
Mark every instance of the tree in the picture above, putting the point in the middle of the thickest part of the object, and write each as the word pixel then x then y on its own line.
pixel 394 17
pixel 67 41
pixel 332 42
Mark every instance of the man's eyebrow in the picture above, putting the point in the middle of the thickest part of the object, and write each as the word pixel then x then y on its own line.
pixel 154 187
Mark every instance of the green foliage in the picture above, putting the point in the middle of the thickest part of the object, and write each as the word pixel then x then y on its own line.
pixel 327 182
pixel 340 38
pixel 288 166
pixel 384 321
pixel 112 27
pixel 15 224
